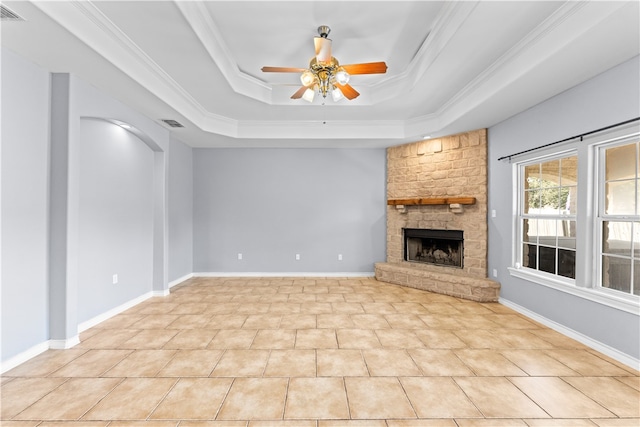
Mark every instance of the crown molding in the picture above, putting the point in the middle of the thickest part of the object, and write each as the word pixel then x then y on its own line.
pixel 451 17
pixel 86 22
pixel 198 17
pixel 572 18
pixel 323 129
pixel 523 56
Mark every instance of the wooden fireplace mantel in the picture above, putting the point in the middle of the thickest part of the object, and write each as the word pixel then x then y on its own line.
pixel 433 201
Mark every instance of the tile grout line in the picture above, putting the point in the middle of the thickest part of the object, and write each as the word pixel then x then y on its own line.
pixel 529 397
pixel 584 394
pixel 101 399
pixel 406 395
pixel 453 380
pixel 163 398
pixel 42 397
pixel 286 398
pixel 346 394
pixel 224 399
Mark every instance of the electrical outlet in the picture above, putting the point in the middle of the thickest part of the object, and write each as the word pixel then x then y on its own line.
pixel 495 273
pixel 239 256
pixel 297 257
pixel 493 213
pixel 115 279
pixel 339 257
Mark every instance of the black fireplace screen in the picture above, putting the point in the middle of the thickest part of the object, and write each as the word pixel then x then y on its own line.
pixel 440 247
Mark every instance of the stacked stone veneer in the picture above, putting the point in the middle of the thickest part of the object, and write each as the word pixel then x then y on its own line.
pixel 453 166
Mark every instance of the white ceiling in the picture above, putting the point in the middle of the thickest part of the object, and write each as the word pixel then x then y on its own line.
pixel 453 65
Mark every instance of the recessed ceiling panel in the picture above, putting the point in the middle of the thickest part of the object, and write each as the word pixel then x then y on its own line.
pixel 281 33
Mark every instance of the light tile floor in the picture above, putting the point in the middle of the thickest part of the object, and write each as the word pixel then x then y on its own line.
pixel 323 353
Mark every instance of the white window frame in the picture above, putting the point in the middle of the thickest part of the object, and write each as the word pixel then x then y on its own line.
pixel 588 239
pixel 599 215
pixel 520 216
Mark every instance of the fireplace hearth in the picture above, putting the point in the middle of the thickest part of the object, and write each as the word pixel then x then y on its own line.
pixel 438 247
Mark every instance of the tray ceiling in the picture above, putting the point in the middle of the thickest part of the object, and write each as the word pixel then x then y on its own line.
pixel 453 66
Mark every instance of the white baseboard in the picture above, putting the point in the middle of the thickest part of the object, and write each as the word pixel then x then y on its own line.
pixel 64 344
pixel 590 342
pixel 180 280
pixel 162 293
pixel 32 352
pixel 114 311
pixel 20 358
pixel 70 342
pixel 283 274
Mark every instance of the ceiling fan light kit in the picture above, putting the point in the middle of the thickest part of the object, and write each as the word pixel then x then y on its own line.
pixel 325 74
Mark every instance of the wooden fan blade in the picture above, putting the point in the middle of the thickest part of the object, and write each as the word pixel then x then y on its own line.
pixel 348 91
pixel 366 68
pixel 323 49
pixel 299 93
pixel 282 70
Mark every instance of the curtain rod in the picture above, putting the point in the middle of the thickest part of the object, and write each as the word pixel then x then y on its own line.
pixel 569 139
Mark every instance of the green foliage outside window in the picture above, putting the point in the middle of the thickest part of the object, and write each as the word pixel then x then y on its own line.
pixel 550 196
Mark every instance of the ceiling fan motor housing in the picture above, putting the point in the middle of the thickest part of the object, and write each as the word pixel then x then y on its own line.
pixel 325 73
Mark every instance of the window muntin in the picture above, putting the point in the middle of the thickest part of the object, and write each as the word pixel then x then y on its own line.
pixel 548 216
pixel 589 243
pixel 619 218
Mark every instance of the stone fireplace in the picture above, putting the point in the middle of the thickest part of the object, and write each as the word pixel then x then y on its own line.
pixel 439 188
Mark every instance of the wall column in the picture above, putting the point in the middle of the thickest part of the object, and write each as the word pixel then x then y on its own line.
pixel 160 225
pixel 63 215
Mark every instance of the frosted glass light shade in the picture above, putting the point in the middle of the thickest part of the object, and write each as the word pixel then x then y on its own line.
pixel 336 94
pixel 308 95
pixel 342 76
pixel 307 78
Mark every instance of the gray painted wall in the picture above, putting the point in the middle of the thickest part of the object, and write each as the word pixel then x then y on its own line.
pixel 115 200
pixel 25 182
pixel 609 98
pixel 271 204
pixel 116 217
pixel 126 178
pixel 180 210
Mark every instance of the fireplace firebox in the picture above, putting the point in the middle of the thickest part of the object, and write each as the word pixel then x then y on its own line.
pixel 439 247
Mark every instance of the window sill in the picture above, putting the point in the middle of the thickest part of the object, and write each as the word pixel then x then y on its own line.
pixel 629 304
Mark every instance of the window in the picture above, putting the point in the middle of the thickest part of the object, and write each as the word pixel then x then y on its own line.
pixel 547 219
pixel 577 217
pixel 618 217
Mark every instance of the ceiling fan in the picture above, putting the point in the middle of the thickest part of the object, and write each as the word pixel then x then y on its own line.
pixel 325 74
